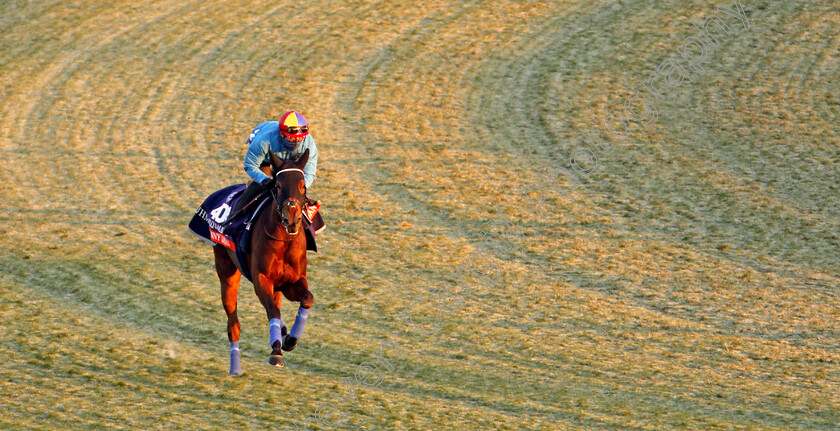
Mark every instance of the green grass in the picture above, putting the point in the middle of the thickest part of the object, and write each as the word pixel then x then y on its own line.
pixel 690 283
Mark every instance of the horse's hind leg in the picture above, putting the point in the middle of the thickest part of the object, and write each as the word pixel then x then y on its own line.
pixel 229 277
pixel 298 292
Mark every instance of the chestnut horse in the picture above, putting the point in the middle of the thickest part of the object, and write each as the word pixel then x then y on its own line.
pixel 276 260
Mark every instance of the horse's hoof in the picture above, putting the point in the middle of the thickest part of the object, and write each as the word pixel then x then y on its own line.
pixel 289 343
pixel 236 374
pixel 277 360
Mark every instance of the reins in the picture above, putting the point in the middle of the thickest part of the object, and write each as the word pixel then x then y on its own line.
pixel 270 236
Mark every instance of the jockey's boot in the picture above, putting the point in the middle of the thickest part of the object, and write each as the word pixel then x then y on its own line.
pixel 251 192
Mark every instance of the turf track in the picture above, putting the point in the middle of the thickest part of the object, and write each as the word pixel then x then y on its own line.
pixel 691 282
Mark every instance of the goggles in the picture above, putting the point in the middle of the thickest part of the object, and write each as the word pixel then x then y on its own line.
pixel 296 130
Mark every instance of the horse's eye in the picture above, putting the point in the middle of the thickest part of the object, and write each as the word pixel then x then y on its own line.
pixel 302 186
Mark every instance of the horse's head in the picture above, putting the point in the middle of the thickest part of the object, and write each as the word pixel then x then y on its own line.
pixel 289 190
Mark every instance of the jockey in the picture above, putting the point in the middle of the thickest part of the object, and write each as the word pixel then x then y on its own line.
pixel 288 138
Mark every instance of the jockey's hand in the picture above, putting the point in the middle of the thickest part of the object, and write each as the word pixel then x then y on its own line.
pixel 266 183
pixel 308 201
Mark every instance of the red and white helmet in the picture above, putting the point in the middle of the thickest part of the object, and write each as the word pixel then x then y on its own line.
pixel 294 125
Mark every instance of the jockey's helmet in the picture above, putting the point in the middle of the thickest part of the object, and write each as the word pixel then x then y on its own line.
pixel 294 126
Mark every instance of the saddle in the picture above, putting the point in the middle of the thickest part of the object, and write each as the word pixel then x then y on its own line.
pixel 210 222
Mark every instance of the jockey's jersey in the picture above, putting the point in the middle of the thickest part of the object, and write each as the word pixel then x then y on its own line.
pixel 266 136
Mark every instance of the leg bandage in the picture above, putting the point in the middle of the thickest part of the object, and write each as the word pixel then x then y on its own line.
pixel 275 329
pixel 300 323
pixel 235 366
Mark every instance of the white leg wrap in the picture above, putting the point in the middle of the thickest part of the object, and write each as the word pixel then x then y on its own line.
pixel 275 327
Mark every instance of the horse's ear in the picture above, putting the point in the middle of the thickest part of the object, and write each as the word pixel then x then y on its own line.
pixel 301 162
pixel 275 161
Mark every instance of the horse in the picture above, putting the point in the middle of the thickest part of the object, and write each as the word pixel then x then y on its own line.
pixel 276 261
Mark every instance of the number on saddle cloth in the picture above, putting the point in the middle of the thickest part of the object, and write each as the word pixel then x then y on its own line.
pixel 211 220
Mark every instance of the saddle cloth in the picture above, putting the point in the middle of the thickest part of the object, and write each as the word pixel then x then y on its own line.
pixel 210 223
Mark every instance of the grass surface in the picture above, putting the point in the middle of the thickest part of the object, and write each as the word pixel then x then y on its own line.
pixel 690 282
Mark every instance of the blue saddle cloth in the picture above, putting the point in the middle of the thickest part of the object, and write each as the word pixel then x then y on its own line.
pixel 210 223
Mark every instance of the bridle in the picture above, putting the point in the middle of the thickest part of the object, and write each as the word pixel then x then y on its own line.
pixel 284 220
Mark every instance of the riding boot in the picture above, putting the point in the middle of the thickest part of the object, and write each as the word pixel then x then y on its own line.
pixel 253 190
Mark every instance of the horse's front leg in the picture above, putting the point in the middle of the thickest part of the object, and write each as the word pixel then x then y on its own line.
pixel 298 292
pixel 264 288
